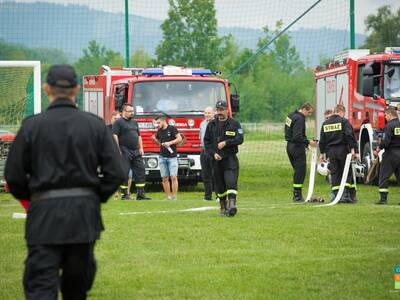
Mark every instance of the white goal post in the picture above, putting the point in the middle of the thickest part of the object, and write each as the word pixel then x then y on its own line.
pixel 37 106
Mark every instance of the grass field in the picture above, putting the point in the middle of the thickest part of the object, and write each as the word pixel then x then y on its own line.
pixel 272 249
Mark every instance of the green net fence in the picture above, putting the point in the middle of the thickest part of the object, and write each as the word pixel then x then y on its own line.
pixel 16 96
pixel 91 33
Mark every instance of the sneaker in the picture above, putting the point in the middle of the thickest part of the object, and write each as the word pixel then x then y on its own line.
pixel 171 198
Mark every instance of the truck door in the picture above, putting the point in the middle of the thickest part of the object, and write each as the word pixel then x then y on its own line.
pixel 120 95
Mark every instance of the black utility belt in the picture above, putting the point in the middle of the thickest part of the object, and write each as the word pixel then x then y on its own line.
pixel 61 193
pixel 297 144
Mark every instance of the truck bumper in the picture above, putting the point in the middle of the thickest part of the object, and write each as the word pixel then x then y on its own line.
pixel 189 167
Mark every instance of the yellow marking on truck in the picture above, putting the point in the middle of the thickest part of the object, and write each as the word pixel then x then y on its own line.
pixel 397 131
pixel 288 121
pixel 333 127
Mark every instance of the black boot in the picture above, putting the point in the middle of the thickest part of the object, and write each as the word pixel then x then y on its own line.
pixel 346 196
pixel 232 210
pixel 222 204
pixel 124 194
pixel 297 197
pixel 353 196
pixel 383 199
pixel 140 195
pixel 334 194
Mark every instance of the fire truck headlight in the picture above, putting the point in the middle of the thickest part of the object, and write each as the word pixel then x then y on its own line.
pixel 190 122
pixel 152 163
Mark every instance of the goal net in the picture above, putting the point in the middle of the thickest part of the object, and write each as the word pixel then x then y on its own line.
pixel 19 92
pixel 19 98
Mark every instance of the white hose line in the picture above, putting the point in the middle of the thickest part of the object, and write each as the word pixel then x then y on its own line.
pixel 342 183
pixel 353 169
pixel 312 173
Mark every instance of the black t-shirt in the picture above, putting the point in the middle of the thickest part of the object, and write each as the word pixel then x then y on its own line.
pixel 166 135
pixel 128 133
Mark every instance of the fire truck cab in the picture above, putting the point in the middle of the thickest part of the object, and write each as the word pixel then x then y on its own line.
pixel 366 84
pixel 181 94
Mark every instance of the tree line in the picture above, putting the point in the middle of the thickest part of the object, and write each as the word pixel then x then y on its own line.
pixel 275 83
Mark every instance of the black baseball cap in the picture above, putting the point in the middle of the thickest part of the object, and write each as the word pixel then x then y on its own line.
pixel 221 104
pixel 62 76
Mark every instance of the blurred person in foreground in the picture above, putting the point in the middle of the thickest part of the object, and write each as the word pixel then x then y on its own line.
pixel 66 163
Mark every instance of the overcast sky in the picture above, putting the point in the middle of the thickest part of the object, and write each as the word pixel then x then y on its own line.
pixel 254 13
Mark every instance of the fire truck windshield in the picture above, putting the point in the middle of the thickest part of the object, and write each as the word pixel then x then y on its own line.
pixel 392 81
pixel 176 97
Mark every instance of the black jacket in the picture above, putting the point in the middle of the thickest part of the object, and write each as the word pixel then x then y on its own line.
pixel 63 148
pixel 391 135
pixel 337 131
pixel 295 129
pixel 229 131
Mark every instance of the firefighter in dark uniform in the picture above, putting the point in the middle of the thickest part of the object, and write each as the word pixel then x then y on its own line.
pixel 391 157
pixel 55 162
pixel 297 142
pixel 221 140
pixel 127 136
pixel 336 141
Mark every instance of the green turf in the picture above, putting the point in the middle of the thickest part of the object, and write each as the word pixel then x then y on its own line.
pixel 272 249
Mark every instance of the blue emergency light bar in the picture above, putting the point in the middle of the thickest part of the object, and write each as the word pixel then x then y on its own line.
pixel 392 50
pixel 201 72
pixel 160 72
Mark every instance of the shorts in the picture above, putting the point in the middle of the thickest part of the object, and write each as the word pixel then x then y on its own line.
pixel 168 166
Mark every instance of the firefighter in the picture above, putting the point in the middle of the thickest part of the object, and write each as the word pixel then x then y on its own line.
pixel 336 141
pixel 55 162
pixel 391 157
pixel 221 140
pixel 297 142
pixel 127 136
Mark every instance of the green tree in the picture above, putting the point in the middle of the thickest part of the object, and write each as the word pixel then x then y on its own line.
pixel 275 83
pixel 383 28
pixel 190 35
pixel 141 59
pixel 95 56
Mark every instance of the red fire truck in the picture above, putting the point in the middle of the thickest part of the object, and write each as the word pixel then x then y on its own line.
pixel 179 93
pixel 365 84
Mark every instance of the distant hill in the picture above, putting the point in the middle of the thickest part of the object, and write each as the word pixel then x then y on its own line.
pixel 71 27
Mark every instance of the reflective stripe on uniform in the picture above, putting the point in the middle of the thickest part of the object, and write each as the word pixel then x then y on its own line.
pixel 383 190
pixel 221 195
pixel 335 188
pixel 231 192
pixel 297 185
pixel 140 184
pixel 123 186
pixel 350 185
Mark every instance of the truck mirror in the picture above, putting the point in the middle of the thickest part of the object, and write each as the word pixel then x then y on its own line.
pixel 390 73
pixel 235 103
pixel 368 86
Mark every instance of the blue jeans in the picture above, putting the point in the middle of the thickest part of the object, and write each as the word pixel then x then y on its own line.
pixel 168 166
